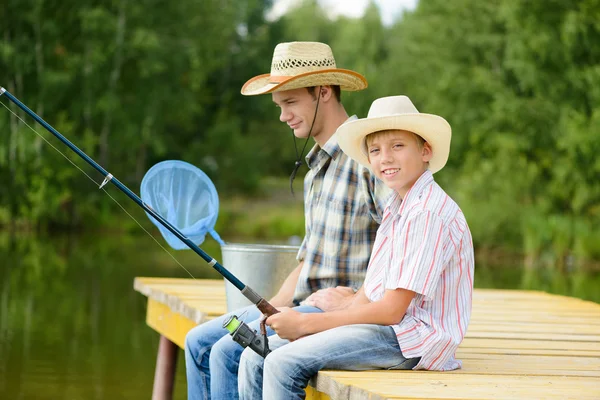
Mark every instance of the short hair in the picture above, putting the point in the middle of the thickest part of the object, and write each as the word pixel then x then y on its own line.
pixel 337 91
pixel 420 141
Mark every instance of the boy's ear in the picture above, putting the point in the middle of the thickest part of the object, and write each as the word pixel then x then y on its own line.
pixel 325 92
pixel 427 152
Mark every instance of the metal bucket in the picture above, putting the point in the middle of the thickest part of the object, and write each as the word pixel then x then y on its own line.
pixel 263 267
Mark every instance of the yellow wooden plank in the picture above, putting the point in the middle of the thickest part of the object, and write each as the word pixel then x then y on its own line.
pixel 551 308
pixel 529 344
pixel 533 300
pixel 193 290
pixel 171 325
pixel 148 280
pixel 520 344
pixel 531 352
pixel 509 293
pixel 504 297
pixel 517 364
pixel 534 336
pixel 313 394
pixel 520 318
pixel 534 312
pixel 212 309
pixel 532 327
pixel 441 385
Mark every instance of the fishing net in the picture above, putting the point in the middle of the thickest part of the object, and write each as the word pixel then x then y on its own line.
pixel 186 197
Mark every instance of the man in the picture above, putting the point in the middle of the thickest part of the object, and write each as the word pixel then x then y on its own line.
pixel 343 208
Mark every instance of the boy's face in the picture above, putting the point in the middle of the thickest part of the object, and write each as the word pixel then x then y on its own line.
pixel 297 110
pixel 397 158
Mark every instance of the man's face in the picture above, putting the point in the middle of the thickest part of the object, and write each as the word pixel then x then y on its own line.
pixel 297 110
pixel 397 158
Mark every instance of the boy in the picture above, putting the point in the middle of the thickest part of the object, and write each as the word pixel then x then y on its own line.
pixel 343 205
pixel 415 304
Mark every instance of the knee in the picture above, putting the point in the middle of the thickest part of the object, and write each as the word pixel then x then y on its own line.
pixel 250 361
pixel 281 366
pixel 225 348
pixel 191 341
pixel 278 363
pixel 198 340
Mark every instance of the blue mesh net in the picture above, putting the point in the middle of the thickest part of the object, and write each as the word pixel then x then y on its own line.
pixel 186 197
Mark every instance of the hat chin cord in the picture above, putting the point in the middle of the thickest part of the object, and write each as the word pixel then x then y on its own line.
pixel 298 162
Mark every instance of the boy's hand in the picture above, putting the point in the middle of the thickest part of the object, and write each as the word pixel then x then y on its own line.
pixel 263 317
pixel 287 324
pixel 331 299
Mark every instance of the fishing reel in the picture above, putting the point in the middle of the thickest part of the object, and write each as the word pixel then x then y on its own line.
pixel 242 334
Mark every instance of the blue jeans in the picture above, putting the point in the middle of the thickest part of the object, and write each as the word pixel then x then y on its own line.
pixel 212 357
pixel 285 372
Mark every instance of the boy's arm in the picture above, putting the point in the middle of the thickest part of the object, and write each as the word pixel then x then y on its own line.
pixel 285 295
pixel 388 311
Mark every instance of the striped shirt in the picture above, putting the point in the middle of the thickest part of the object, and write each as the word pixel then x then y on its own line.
pixel 343 206
pixel 424 245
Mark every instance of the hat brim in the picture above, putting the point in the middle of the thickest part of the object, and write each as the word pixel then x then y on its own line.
pixel 347 80
pixel 433 128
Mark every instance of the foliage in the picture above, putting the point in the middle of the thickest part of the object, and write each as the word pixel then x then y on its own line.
pixel 134 83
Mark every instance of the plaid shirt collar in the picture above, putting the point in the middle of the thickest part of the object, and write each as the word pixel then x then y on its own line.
pixel 318 155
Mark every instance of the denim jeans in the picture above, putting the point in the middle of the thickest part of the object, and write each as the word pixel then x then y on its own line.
pixel 285 372
pixel 212 357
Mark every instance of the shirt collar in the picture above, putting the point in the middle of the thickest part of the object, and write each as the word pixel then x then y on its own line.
pixel 397 205
pixel 331 148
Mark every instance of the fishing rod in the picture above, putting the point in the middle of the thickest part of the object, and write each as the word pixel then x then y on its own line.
pixel 239 331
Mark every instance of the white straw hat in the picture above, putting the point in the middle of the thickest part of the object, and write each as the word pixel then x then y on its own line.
pixel 396 112
pixel 303 64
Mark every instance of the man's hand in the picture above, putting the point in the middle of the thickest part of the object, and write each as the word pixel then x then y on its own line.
pixel 287 324
pixel 331 299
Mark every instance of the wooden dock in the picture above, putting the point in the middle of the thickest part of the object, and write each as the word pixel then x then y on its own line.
pixel 519 345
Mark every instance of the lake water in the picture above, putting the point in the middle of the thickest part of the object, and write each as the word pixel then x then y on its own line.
pixel 72 327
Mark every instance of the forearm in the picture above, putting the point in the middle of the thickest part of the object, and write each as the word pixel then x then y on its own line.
pixel 364 314
pixel 284 297
pixel 388 311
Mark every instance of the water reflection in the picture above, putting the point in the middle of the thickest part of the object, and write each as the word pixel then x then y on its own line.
pixel 71 326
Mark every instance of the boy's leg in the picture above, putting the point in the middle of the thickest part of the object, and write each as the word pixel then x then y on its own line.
pixel 251 364
pixel 286 372
pixel 250 376
pixel 225 360
pixel 198 344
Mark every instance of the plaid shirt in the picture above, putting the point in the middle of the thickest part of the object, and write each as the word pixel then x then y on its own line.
pixel 343 207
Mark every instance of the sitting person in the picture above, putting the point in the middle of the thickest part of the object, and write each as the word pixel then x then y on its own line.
pixel 343 205
pixel 414 307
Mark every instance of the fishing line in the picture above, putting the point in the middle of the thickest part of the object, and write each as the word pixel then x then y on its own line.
pixel 240 331
pixel 100 186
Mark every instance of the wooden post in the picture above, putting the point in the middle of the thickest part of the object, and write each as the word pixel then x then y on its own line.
pixel 164 375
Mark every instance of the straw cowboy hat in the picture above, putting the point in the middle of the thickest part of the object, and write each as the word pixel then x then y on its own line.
pixel 303 64
pixel 396 112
